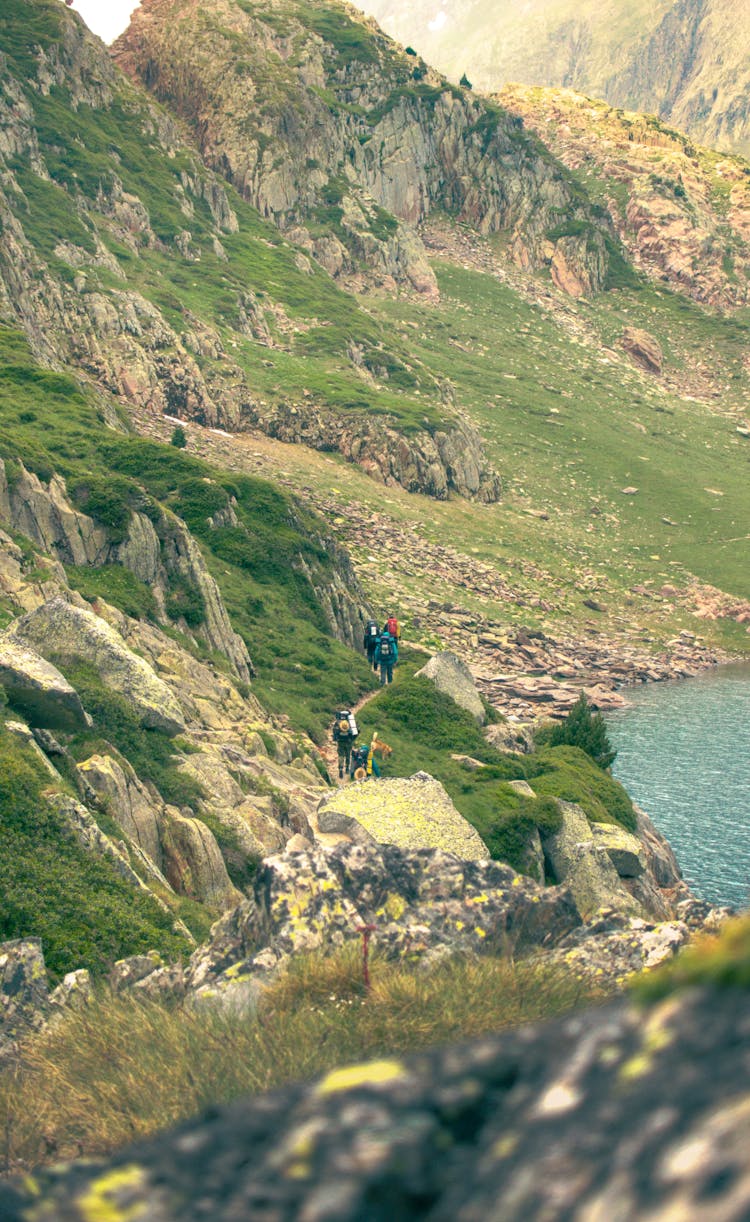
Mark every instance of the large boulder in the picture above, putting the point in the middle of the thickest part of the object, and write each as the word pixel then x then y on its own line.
pixel 624 850
pixel 452 676
pixel 574 857
pixel 38 689
pixel 413 814
pixel 644 349
pixel 193 862
pixel 59 628
pixel 126 799
pixel 617 1114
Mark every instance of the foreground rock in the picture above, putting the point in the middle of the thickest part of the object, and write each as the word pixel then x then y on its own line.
pixel 414 813
pixel 615 1113
pixel 452 676
pixel 60 628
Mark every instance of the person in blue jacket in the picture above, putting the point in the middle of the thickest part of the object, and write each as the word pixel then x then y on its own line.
pixel 386 657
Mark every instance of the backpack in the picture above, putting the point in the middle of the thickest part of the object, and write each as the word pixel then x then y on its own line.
pixel 371 629
pixel 386 646
pixel 392 625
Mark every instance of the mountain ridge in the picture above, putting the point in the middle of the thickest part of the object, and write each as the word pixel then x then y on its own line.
pixel 686 61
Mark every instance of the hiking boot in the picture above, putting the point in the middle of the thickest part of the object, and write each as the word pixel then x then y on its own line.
pixel 341 773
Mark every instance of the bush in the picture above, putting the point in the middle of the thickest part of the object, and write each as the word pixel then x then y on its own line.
pixel 585 729
pixel 178 438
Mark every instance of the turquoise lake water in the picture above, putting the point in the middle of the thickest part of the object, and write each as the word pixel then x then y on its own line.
pixel 684 756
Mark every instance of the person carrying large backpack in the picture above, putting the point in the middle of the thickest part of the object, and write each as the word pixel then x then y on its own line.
pixel 344 733
pixel 392 626
pixel 371 640
pixel 386 657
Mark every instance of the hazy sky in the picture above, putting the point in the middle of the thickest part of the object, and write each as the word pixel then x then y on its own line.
pixel 107 18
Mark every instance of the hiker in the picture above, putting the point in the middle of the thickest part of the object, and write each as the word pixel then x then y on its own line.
pixel 344 733
pixel 392 626
pixel 371 640
pixel 364 763
pixel 386 657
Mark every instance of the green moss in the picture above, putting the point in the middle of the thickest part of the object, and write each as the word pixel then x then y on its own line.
pixel 54 889
pixel 570 774
pixel 116 585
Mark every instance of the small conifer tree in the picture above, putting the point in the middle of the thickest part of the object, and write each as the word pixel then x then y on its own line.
pixel 465 83
pixel 585 729
pixel 179 437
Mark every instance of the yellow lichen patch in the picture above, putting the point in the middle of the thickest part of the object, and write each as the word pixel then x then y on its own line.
pixel 373 1073
pixel 395 906
pixel 481 933
pixel 100 1204
pixel 505 1145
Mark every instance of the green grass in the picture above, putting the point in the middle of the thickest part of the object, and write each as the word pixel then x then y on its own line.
pixel 54 889
pixel 115 585
pixel 121 1070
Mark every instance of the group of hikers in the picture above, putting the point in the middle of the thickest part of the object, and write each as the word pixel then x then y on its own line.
pixel 381 648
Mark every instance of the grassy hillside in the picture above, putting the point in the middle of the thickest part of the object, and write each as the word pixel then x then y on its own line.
pixel 51 425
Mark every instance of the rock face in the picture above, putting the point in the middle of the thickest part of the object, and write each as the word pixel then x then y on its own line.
pixel 59 628
pixel 38 689
pixel 684 60
pixel 575 857
pixel 412 814
pixel 44 513
pixel 613 1113
pixel 422 903
pixel 644 349
pixel 23 988
pixel 624 850
pixel 452 676
pixel 413 143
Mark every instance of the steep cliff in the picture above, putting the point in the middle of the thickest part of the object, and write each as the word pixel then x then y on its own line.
pixel 684 60
pixel 319 119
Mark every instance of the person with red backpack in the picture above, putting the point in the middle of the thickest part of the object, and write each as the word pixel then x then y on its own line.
pixel 392 627
pixel 386 657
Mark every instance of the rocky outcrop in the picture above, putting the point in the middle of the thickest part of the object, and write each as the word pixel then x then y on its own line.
pixel 577 858
pixel 23 989
pixel 193 863
pixel 453 677
pixel 38 689
pixel 624 850
pixel 544 1123
pixel 680 212
pixel 643 348
pixel 450 459
pixel 155 554
pixel 411 142
pixel 61 629
pixel 412 814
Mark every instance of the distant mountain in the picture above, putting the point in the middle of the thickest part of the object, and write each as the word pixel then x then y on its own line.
pixel 687 61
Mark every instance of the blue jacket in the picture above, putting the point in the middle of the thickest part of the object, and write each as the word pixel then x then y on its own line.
pixel 393 656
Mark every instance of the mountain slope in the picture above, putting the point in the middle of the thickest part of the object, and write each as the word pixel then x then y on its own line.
pixel 681 211
pixel 688 61
pixel 122 253
pixel 320 120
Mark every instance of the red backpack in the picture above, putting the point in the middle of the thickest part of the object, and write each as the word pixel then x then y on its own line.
pixel 392 626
